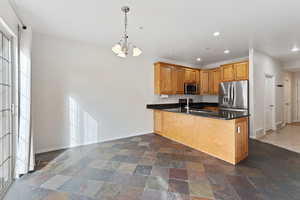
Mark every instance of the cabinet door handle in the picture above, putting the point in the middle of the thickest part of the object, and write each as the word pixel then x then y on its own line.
pixel 238 130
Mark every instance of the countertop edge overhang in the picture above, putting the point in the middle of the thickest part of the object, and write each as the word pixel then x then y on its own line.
pixel 222 115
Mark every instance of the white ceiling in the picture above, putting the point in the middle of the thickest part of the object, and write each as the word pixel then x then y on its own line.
pixel 175 29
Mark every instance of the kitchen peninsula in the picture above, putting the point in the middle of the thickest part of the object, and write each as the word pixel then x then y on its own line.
pixel 222 134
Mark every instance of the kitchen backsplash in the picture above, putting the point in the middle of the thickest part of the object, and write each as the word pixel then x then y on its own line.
pixel 175 98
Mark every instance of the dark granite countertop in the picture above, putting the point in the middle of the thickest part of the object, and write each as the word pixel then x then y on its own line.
pixel 197 109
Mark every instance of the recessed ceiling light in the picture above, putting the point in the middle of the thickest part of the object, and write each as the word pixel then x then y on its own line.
pixel 198 59
pixel 216 34
pixel 226 51
pixel 295 49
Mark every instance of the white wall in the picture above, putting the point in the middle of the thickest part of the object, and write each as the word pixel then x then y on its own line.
pixel 264 64
pixel 292 65
pixel 84 94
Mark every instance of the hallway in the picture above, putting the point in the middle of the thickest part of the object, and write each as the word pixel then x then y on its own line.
pixel 287 137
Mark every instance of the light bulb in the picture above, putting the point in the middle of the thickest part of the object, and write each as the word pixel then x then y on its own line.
pixel 121 54
pixel 137 51
pixel 117 48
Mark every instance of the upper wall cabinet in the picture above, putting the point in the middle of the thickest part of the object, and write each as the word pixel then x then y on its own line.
pixel 227 72
pixel 204 82
pixel 215 79
pixel 178 80
pixel 163 78
pixel 241 71
pixel 235 71
pixel 170 78
pixel 190 75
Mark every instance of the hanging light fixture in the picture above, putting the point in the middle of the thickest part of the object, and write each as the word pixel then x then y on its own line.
pixel 123 47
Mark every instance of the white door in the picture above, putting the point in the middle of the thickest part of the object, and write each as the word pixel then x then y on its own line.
pixel 287 101
pixel 269 103
pixel 5 114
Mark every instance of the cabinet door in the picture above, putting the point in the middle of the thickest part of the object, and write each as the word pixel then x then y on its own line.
pixel 158 121
pixel 178 80
pixel 193 76
pixel 204 82
pixel 216 79
pixel 190 75
pixel 166 79
pixel 227 72
pixel 241 71
pixel 241 139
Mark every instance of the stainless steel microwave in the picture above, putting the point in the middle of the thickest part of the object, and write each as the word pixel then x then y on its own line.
pixel 190 88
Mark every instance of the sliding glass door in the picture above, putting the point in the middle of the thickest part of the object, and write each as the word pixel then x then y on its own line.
pixel 6 150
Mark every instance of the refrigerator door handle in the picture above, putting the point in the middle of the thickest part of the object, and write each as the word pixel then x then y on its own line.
pixel 233 94
pixel 229 94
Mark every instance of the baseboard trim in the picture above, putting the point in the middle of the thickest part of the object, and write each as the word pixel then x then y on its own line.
pixel 106 140
pixel 279 125
pixel 259 133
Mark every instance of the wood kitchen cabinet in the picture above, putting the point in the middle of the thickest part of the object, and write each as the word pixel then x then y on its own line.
pixel 224 139
pixel 209 81
pixel 158 121
pixel 170 78
pixel 204 82
pixel 163 78
pixel 190 76
pixel 227 72
pixel 214 80
pixel 178 80
pixel 241 139
pixel 235 71
pixel 241 71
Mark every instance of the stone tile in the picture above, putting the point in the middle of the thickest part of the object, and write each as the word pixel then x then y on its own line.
pixel 96 174
pixel 177 186
pixel 109 191
pixel 37 178
pixel 55 182
pixel 23 191
pixel 82 187
pixel 125 158
pixel 160 172
pixel 127 168
pixel 144 170
pixel 180 174
pixel 177 196
pixel 130 193
pixel 147 161
pixel 157 183
pixel 201 189
pixel 154 195
pixel 121 178
pixel 244 188
pixel 137 181
pixel 269 173
pixel 98 164
pixel 199 198
pixel 65 196
pixel 194 166
pixel 112 165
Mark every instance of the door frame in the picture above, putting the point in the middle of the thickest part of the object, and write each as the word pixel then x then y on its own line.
pixel 297 100
pixel 7 31
pixel 289 116
pixel 273 95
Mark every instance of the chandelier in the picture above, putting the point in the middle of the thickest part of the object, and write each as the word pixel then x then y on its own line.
pixel 123 47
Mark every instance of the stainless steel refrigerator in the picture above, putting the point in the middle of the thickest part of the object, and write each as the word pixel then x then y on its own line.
pixel 234 95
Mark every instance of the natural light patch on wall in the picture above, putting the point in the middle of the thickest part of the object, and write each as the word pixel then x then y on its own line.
pixel 83 128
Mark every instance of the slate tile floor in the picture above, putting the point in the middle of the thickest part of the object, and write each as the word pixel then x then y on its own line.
pixel 152 167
